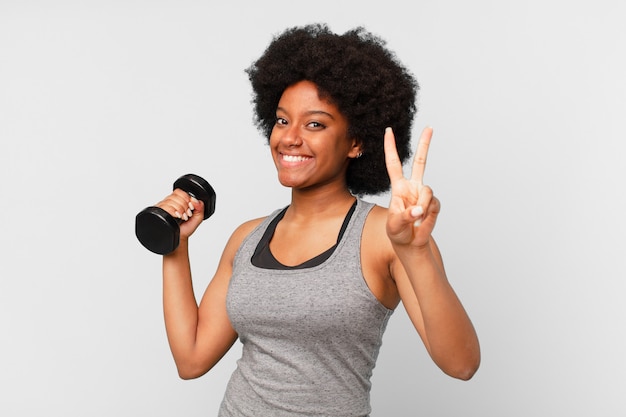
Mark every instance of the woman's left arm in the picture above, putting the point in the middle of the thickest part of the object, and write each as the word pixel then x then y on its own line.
pixel 417 267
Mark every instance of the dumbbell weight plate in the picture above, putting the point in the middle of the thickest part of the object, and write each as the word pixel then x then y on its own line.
pixel 157 230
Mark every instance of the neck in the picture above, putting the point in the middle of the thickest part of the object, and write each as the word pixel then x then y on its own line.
pixel 319 203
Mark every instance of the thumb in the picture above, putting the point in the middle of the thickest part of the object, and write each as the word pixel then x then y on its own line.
pixel 400 225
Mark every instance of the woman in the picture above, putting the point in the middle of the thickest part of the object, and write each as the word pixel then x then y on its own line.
pixel 309 289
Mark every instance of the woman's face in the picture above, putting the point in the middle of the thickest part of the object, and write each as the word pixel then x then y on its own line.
pixel 309 142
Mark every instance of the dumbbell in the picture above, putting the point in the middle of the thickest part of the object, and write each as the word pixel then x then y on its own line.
pixel 157 230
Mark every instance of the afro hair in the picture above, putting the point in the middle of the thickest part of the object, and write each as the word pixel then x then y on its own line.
pixel 357 73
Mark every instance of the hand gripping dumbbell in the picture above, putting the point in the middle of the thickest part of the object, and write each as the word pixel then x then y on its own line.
pixel 158 230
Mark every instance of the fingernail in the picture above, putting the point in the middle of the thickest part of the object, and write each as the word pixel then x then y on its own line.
pixel 189 212
pixel 185 218
pixel 178 214
pixel 194 199
pixel 417 211
pixel 417 223
pixel 191 206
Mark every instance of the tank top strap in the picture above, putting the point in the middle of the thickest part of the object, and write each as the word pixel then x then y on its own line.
pixel 263 257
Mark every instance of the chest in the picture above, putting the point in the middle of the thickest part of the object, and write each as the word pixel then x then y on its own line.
pixel 288 303
pixel 294 244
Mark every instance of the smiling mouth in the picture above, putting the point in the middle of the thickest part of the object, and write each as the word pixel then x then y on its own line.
pixel 295 158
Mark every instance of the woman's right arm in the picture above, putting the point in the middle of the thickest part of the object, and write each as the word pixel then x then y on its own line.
pixel 199 336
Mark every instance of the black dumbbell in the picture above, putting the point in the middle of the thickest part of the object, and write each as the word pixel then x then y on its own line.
pixel 159 231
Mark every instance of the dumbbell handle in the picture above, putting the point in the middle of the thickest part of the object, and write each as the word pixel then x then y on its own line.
pixel 199 188
pixel 159 231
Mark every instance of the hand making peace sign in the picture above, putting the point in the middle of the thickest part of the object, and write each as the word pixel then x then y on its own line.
pixel 413 209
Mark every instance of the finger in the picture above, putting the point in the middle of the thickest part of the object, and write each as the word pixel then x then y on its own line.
pixel 417 214
pixel 197 207
pixel 398 222
pixel 424 203
pixel 419 162
pixel 392 160
pixel 177 204
pixel 426 194
pixel 186 201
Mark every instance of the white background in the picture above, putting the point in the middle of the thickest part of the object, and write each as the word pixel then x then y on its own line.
pixel 104 104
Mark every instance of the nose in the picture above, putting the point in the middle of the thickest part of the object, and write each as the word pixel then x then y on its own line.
pixel 290 136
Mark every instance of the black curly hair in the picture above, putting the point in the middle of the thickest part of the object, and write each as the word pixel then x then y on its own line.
pixel 356 72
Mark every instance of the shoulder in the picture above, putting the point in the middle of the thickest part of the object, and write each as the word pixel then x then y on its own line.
pixel 242 231
pixel 377 214
pixel 376 222
pixel 375 243
pixel 377 257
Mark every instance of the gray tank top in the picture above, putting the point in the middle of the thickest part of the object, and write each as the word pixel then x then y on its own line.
pixel 310 336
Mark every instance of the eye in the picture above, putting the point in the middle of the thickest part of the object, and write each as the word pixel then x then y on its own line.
pixel 316 125
pixel 280 121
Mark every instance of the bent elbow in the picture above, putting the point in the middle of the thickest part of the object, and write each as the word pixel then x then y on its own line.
pixel 462 367
pixel 186 375
pixel 465 374
pixel 466 370
pixel 189 371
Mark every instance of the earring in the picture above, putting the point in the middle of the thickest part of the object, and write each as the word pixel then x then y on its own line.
pixel 360 154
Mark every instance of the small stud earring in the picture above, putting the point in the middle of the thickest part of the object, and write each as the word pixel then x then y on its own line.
pixel 360 154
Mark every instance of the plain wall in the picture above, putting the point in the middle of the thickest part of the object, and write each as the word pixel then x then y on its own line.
pixel 104 104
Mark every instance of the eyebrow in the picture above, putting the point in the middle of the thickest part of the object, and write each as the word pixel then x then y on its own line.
pixel 310 112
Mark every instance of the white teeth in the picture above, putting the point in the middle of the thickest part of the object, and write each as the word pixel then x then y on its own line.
pixel 294 158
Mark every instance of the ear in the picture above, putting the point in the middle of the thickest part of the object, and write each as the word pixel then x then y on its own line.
pixel 357 149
